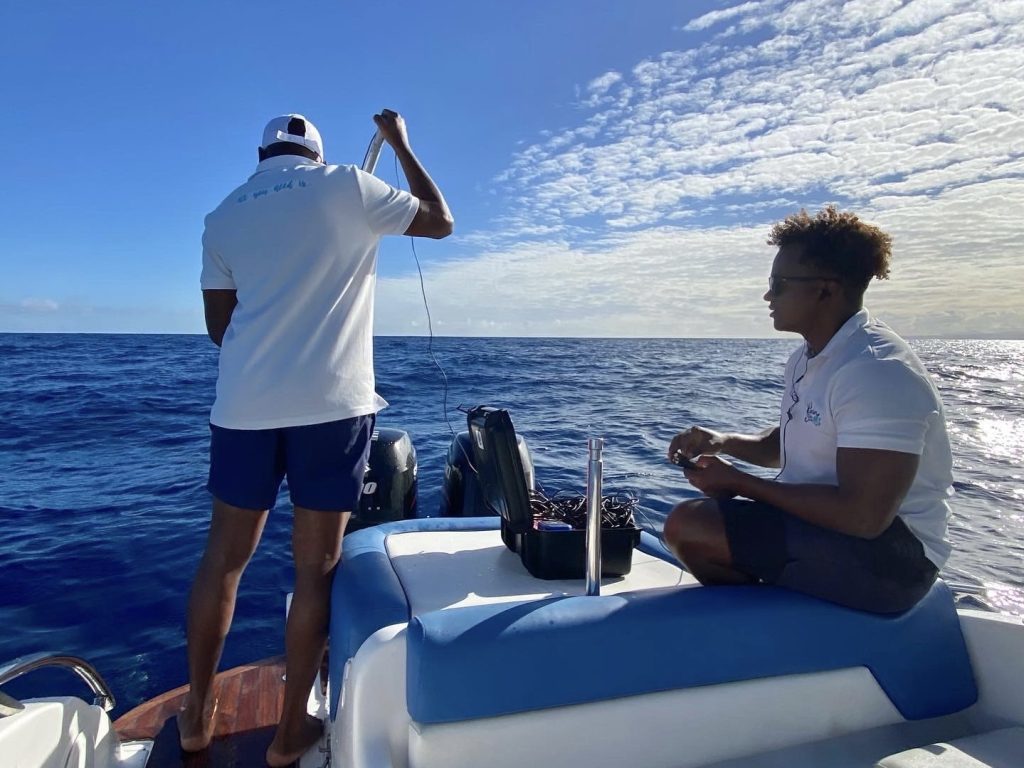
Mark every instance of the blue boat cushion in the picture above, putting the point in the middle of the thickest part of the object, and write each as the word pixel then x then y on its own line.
pixel 489 660
pixel 367 593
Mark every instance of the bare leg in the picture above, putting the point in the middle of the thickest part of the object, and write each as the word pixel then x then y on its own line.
pixel 316 547
pixel 234 534
pixel 695 533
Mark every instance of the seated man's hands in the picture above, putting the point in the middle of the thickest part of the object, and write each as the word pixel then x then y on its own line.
pixel 709 474
pixel 715 477
pixel 696 441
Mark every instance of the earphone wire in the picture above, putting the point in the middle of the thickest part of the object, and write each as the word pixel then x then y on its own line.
pixel 795 396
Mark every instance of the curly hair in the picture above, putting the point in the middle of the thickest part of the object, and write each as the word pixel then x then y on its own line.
pixel 852 250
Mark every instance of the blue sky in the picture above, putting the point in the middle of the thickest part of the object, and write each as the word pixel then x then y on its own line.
pixel 613 167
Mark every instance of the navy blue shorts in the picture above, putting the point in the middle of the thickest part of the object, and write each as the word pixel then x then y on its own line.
pixel 324 464
pixel 888 574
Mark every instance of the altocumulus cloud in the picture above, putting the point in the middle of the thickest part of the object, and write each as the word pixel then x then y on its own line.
pixel 648 217
pixel 37 305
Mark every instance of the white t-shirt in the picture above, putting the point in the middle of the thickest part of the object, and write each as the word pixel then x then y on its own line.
pixel 298 243
pixel 867 389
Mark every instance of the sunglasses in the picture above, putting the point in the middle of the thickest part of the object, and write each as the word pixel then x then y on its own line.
pixel 777 283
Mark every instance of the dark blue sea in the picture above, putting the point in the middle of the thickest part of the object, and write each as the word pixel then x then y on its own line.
pixel 103 451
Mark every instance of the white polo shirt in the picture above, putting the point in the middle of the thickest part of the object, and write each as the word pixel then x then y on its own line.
pixel 867 389
pixel 298 243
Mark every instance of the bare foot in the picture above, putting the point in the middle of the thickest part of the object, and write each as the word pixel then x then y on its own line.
pixel 287 747
pixel 195 724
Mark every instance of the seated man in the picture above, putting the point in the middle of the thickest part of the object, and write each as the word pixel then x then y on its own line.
pixel 857 513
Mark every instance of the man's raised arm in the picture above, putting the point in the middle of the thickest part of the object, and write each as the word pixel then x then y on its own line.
pixel 433 218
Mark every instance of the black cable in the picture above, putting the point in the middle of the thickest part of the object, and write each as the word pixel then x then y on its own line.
pixel 430 323
pixel 795 397
pixel 567 507
pixel 616 510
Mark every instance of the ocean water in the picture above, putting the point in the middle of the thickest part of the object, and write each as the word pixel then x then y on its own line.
pixel 103 451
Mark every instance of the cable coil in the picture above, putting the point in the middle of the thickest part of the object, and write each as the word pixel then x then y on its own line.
pixel 568 507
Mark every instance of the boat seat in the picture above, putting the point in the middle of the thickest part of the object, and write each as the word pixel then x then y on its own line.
pixel 385 577
pixel 479 661
pixel 995 749
pixel 490 660
pixel 367 593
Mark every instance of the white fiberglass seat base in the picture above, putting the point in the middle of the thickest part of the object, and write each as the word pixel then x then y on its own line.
pixel 57 732
pixel 995 749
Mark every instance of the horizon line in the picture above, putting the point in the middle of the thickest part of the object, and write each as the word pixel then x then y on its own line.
pixel 924 337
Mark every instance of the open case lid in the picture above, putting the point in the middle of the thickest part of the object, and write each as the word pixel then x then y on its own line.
pixel 499 466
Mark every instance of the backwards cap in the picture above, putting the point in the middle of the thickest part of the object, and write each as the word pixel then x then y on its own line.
pixel 294 129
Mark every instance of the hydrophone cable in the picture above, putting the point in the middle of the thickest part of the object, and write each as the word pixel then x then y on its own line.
pixel 430 324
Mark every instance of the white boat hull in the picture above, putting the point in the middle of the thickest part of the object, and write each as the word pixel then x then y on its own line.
pixel 438 632
pixel 445 574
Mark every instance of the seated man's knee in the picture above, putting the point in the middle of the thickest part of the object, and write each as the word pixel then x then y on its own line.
pixel 693 528
pixel 682 521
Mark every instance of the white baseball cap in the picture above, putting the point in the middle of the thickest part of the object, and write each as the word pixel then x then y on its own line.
pixel 295 129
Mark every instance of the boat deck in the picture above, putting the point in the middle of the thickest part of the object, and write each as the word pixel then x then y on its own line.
pixel 250 700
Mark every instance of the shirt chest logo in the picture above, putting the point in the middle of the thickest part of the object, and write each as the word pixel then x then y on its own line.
pixel 812 416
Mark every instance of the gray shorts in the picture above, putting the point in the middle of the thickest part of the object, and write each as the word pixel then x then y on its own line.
pixel 888 574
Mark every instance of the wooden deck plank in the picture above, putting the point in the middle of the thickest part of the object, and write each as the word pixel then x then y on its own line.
pixel 268 708
pixel 250 699
pixel 227 690
pixel 248 696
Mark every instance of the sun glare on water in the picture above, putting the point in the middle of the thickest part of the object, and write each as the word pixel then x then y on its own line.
pixel 1002 438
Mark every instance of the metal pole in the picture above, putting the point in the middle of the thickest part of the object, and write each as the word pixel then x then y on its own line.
pixel 594 467
pixel 372 153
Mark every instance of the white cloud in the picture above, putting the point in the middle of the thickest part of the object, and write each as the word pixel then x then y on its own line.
pixel 715 17
pixel 38 305
pixel 671 281
pixel 910 113
pixel 600 85
pixel 72 315
pixel 659 282
pixel 793 112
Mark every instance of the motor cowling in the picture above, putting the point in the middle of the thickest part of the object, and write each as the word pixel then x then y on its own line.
pixel 462 495
pixel 389 485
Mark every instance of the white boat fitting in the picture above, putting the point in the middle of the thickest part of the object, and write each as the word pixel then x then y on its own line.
pixel 63 732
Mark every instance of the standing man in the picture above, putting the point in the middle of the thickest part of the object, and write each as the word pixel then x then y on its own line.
pixel 289 269
pixel 857 514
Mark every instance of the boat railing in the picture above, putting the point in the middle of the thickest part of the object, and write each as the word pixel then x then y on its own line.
pixel 25 664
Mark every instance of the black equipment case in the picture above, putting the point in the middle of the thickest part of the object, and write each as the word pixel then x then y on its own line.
pixel 547 554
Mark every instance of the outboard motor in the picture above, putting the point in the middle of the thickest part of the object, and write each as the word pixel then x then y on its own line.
pixel 462 496
pixel 389 485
